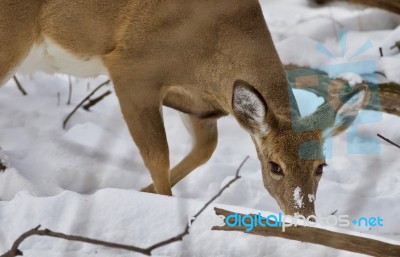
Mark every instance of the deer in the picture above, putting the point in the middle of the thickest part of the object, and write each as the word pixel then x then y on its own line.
pixel 204 58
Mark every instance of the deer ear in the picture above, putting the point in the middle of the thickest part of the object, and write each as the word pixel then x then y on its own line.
pixel 347 108
pixel 339 113
pixel 249 108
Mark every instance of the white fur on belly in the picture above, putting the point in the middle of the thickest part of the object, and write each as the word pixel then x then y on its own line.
pixel 52 58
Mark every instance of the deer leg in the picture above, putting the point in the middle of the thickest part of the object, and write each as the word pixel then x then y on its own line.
pixel 205 136
pixel 141 108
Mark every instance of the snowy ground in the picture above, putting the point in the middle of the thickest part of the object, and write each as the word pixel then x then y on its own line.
pixel 84 180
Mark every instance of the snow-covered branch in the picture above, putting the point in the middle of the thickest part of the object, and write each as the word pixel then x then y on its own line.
pixel 319 236
pixel 383 97
pixel 14 251
pixel 389 5
pixel 37 231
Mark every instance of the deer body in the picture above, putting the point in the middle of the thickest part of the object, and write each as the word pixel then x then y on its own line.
pixel 204 58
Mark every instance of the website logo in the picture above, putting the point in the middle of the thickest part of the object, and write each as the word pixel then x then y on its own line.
pixel 285 221
pixel 347 65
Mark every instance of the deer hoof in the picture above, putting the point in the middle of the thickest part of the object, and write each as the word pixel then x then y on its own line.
pixel 148 189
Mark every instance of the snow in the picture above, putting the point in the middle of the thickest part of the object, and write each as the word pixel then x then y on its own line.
pixel 107 215
pixel 295 27
pixel 311 198
pixel 298 198
pixel 85 179
pixel 391 66
pixel 352 78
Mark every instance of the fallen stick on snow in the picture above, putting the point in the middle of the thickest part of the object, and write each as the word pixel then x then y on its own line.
pixel 356 244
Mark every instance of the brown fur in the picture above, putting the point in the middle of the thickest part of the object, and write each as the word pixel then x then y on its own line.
pixel 184 54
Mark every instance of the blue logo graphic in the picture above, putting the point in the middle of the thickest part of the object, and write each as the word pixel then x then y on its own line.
pixel 285 221
pixel 346 63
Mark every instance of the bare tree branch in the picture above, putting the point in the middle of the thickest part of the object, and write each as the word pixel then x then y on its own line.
pixel 20 87
pixel 83 101
pixel 389 5
pixel 389 141
pixel 94 101
pixel 14 251
pixel 2 167
pixel 396 45
pixel 318 236
pixel 383 97
pixel 69 90
pixel 186 230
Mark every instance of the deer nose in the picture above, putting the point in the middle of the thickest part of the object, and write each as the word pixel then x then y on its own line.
pixel 299 203
pixel 302 200
pixel 307 211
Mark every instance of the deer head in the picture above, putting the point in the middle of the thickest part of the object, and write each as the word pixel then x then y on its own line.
pixel 290 148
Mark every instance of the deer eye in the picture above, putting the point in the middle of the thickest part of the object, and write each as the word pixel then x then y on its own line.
pixel 276 169
pixel 320 169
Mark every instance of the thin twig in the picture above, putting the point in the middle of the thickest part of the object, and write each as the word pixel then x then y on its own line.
pixel 187 228
pixel 14 251
pixel 94 101
pixel 69 90
pixel 389 141
pixel 397 44
pixel 381 51
pixel 2 167
pixel 20 87
pixel 58 98
pixel 83 101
